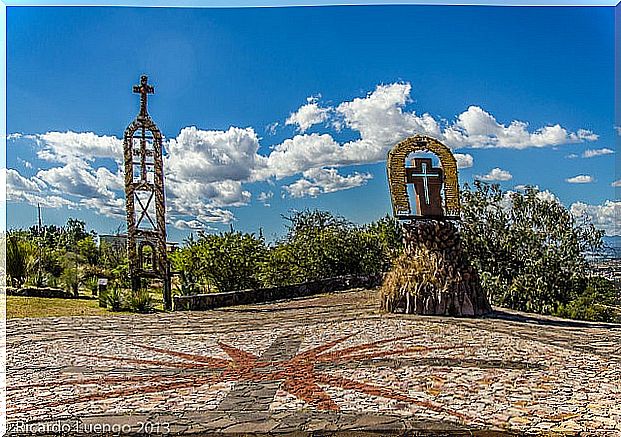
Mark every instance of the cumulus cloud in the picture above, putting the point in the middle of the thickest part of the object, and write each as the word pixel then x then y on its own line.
pixel 522 187
pixel 580 179
pixel 324 180
pixel 477 128
pixel 30 190
pixel 192 225
pixel 110 206
pixel 591 153
pixel 308 115
pixel 265 197
pixel 209 156
pixel 78 179
pixel 16 183
pixel 616 183
pixel 464 160
pixel 207 170
pixel 83 146
pixel 548 196
pixel 381 120
pixel 496 174
pixel 606 216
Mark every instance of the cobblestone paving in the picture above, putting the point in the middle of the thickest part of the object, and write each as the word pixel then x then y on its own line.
pixel 332 362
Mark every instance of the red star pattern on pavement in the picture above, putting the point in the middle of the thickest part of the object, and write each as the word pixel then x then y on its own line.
pixel 300 374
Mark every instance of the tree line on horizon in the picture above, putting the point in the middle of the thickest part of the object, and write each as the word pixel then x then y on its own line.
pixel 529 251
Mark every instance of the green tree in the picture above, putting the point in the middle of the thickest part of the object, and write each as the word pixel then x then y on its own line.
pixel 226 261
pixel 20 259
pixel 527 246
pixel 600 301
pixel 320 245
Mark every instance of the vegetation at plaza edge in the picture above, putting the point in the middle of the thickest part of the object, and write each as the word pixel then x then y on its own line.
pixel 527 247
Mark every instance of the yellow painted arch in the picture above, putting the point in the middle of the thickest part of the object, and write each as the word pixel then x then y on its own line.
pixel 397 178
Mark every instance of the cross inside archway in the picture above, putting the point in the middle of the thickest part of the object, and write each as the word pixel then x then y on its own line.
pixel 427 182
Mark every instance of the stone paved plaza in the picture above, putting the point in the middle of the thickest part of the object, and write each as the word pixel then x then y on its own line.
pixel 332 362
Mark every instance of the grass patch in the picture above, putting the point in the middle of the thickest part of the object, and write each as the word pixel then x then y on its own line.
pixel 19 306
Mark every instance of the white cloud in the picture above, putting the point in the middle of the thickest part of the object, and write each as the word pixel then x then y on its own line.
pixel 209 156
pixel 591 153
pixel 26 164
pixel 31 190
pixel 548 196
pixel 194 225
pixel 215 215
pixel 271 128
pixel 580 179
pixel 308 115
pixel 324 180
pixel 265 197
pixel 606 216
pixel 206 170
pixel 223 193
pixel 16 183
pixel 616 183
pixel 381 121
pixel 496 174
pixel 522 187
pixel 572 156
pixel 69 146
pixel 78 179
pixel 110 206
pixel 464 160
pixel 479 129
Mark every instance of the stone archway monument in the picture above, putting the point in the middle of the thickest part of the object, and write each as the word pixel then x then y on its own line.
pixel 434 276
pixel 429 182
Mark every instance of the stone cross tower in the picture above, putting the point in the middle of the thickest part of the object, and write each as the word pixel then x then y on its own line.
pixel 144 197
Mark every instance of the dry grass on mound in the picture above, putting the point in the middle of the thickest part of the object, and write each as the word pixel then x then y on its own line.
pixel 414 276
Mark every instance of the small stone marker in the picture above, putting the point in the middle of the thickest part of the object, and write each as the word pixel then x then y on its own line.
pixel 102 286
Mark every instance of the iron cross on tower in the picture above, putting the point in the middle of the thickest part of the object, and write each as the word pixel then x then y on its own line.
pixel 144 199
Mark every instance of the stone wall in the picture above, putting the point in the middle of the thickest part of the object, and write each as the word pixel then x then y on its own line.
pixel 40 292
pixel 216 300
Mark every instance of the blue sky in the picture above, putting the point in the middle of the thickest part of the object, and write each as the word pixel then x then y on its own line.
pixel 296 107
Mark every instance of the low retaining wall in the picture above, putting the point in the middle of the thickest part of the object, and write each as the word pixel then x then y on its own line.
pixel 208 301
pixel 40 292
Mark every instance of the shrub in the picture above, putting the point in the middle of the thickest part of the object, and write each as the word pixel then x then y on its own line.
pixel 189 284
pixel 140 301
pixel 20 260
pixel 227 261
pixel 598 302
pixel 527 247
pixel 320 245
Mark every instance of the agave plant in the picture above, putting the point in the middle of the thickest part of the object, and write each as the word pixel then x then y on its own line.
pixel 113 298
pixel 141 301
